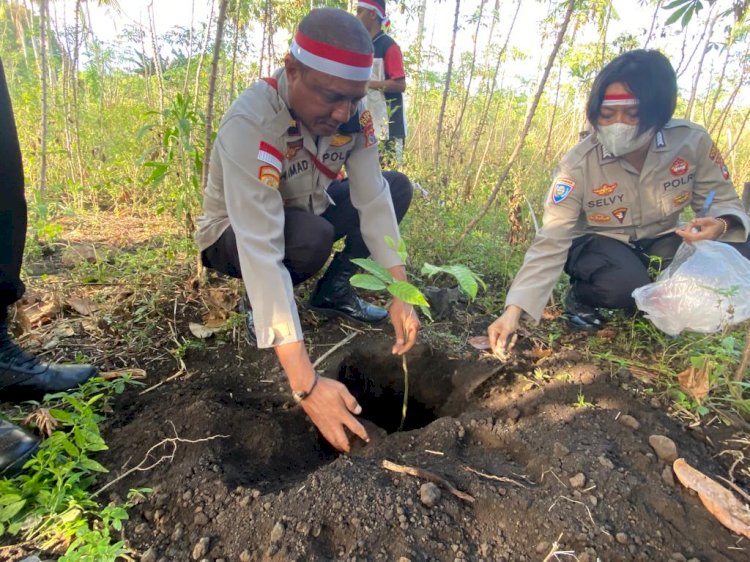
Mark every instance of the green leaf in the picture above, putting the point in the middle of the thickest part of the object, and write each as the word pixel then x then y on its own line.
pixel 10 510
pixel 61 415
pixel 367 281
pixel 426 312
pixel 92 465
pixel 407 293
pixel 375 268
pixel 400 249
pixel 71 449
pixel 676 3
pixel 467 279
pixel 677 14
pixel 429 270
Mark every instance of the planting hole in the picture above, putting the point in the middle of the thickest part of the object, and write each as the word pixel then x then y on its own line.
pixel 377 382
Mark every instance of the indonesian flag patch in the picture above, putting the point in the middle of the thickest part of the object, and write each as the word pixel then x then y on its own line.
pixel 271 155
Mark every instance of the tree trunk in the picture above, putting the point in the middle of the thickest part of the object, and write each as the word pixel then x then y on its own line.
pixel 204 47
pixel 527 124
pixel 696 79
pixel 446 88
pixel 190 49
pixel 479 131
pixel 235 48
pixel 43 57
pixel 457 127
pixel 157 62
pixel 657 9
pixel 212 89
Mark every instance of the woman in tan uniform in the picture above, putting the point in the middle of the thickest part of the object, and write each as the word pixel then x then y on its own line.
pixel 616 200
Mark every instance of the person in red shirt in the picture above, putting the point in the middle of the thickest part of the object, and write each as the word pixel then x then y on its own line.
pixel 372 15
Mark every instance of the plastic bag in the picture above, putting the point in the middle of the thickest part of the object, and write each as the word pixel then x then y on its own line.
pixel 704 289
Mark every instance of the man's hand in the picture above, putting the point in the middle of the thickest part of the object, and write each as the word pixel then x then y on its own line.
pixel 502 332
pixel 330 407
pixel 705 228
pixel 406 325
pixel 405 321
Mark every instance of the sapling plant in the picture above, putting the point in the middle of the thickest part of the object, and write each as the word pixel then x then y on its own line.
pixel 379 279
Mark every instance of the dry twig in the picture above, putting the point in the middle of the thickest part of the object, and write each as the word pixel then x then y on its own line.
pixel 493 477
pixel 144 465
pixel 427 475
pixel 336 347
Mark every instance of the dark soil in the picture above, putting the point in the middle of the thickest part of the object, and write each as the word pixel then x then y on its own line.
pixel 263 486
pixel 240 474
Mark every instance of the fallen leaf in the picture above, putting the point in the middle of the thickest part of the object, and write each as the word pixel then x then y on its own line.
pixel 695 381
pixel 538 352
pixel 719 501
pixel 43 420
pixel 607 333
pixel 479 342
pixel 63 331
pixel 76 254
pixel 643 375
pixel 82 305
pixel 41 312
pixel 200 331
pixel 136 374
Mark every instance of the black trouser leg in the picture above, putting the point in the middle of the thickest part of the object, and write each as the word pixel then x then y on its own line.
pixel 604 272
pixel 308 241
pixel 345 218
pixel 12 204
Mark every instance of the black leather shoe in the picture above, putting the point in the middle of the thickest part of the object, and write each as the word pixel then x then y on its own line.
pixel 334 295
pixel 250 336
pixel 24 377
pixel 581 316
pixel 16 447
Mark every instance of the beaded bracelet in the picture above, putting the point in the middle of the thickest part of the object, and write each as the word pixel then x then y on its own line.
pixel 725 222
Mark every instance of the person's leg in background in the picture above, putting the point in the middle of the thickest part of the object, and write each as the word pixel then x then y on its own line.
pixel 603 272
pixel 333 293
pixel 22 375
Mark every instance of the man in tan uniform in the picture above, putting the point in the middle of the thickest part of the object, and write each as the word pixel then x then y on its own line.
pixel 617 199
pixel 276 202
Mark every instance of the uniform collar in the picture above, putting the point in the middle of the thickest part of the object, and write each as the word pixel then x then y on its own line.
pixel 658 144
pixel 287 121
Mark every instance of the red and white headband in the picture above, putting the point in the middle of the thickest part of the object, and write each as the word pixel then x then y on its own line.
pixel 619 99
pixel 331 60
pixel 375 7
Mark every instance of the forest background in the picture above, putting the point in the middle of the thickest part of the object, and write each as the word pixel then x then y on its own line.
pixel 118 118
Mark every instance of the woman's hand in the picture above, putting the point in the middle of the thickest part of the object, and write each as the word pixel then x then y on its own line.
pixel 704 228
pixel 502 332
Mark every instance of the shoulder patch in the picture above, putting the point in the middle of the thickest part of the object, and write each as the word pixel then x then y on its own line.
pixel 368 128
pixel 269 176
pixel 561 189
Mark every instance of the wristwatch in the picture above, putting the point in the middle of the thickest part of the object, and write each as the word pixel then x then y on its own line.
pixel 300 395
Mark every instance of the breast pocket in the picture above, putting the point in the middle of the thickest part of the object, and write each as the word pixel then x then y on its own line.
pixel 675 202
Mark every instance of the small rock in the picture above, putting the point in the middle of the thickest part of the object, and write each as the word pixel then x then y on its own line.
pixel 245 556
pixel 513 415
pixel 605 462
pixel 678 557
pixel 664 447
pixel 593 501
pixel 149 555
pixel 429 494
pixel 622 538
pixel 629 421
pixel 404 559
pixel 694 560
pixel 277 532
pixel 560 450
pixel 200 519
pixel 542 547
pixel 201 548
pixel 578 481
pixel 655 403
pixel 668 476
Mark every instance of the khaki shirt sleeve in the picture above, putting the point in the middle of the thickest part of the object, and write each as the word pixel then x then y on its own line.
pixel 256 213
pixel 371 196
pixel 545 258
pixel 712 175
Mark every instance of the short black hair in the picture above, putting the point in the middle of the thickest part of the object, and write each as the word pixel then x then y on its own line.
pixel 649 76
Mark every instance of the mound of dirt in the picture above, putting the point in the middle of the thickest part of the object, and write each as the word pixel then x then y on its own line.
pixel 554 464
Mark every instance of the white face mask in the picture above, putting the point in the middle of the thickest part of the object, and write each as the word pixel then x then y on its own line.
pixel 620 139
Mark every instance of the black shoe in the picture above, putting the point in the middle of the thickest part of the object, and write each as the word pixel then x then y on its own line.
pixel 581 316
pixel 16 447
pixel 250 336
pixel 334 295
pixel 24 377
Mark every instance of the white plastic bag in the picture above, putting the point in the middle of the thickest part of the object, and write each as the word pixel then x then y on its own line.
pixel 704 289
pixel 376 104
